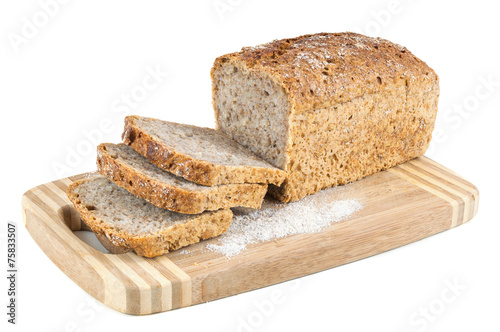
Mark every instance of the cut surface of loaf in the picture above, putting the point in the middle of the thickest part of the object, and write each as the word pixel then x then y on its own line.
pixel 132 171
pixel 131 223
pixel 201 155
pixel 328 108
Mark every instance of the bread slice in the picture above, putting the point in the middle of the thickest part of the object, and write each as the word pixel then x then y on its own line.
pixel 131 223
pixel 132 171
pixel 328 108
pixel 201 155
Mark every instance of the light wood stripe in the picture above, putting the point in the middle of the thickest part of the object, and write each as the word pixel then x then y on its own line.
pixel 75 221
pixel 59 194
pixel 144 288
pixel 175 281
pixel 138 291
pixel 130 296
pixel 147 279
pixel 113 288
pixel 61 201
pixel 441 167
pixel 119 265
pixel 115 292
pixel 165 284
pixel 463 203
pixel 156 296
pixel 67 182
pixel 185 279
pixel 59 252
pixel 447 185
pixel 444 173
pixel 460 203
pixel 56 189
pixel 454 204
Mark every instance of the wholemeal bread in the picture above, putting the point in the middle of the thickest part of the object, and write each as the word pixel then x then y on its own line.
pixel 131 223
pixel 201 155
pixel 132 171
pixel 328 108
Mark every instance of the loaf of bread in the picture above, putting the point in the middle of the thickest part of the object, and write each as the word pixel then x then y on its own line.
pixel 328 108
pixel 133 172
pixel 124 222
pixel 201 155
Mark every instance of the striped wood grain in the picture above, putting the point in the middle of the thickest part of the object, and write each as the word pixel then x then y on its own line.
pixel 401 205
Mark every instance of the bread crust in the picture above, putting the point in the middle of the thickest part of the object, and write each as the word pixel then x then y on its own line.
pixel 202 226
pixel 325 69
pixel 191 169
pixel 358 105
pixel 174 198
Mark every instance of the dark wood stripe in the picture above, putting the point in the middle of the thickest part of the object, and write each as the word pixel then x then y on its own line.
pixel 42 204
pixel 440 179
pixel 52 195
pixel 443 170
pixel 133 292
pixel 457 188
pixel 61 185
pixel 84 269
pixel 62 213
pixel 175 280
pixel 461 203
pixel 156 287
pixel 74 217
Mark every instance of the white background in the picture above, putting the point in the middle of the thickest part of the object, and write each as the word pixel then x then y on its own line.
pixel 67 76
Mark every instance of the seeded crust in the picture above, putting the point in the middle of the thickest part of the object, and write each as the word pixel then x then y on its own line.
pixel 124 222
pixel 179 153
pixel 348 106
pixel 133 172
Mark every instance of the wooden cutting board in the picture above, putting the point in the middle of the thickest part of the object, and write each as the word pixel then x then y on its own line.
pixel 401 205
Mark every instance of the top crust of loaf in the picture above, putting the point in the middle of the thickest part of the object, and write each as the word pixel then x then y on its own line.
pixel 324 69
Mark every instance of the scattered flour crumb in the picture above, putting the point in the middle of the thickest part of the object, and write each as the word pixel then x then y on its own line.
pixel 277 220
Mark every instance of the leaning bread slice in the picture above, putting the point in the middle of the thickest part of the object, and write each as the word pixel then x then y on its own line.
pixel 131 223
pixel 201 155
pixel 132 171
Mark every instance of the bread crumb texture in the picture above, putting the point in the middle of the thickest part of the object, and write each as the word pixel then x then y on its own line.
pixel 133 172
pixel 131 223
pixel 201 155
